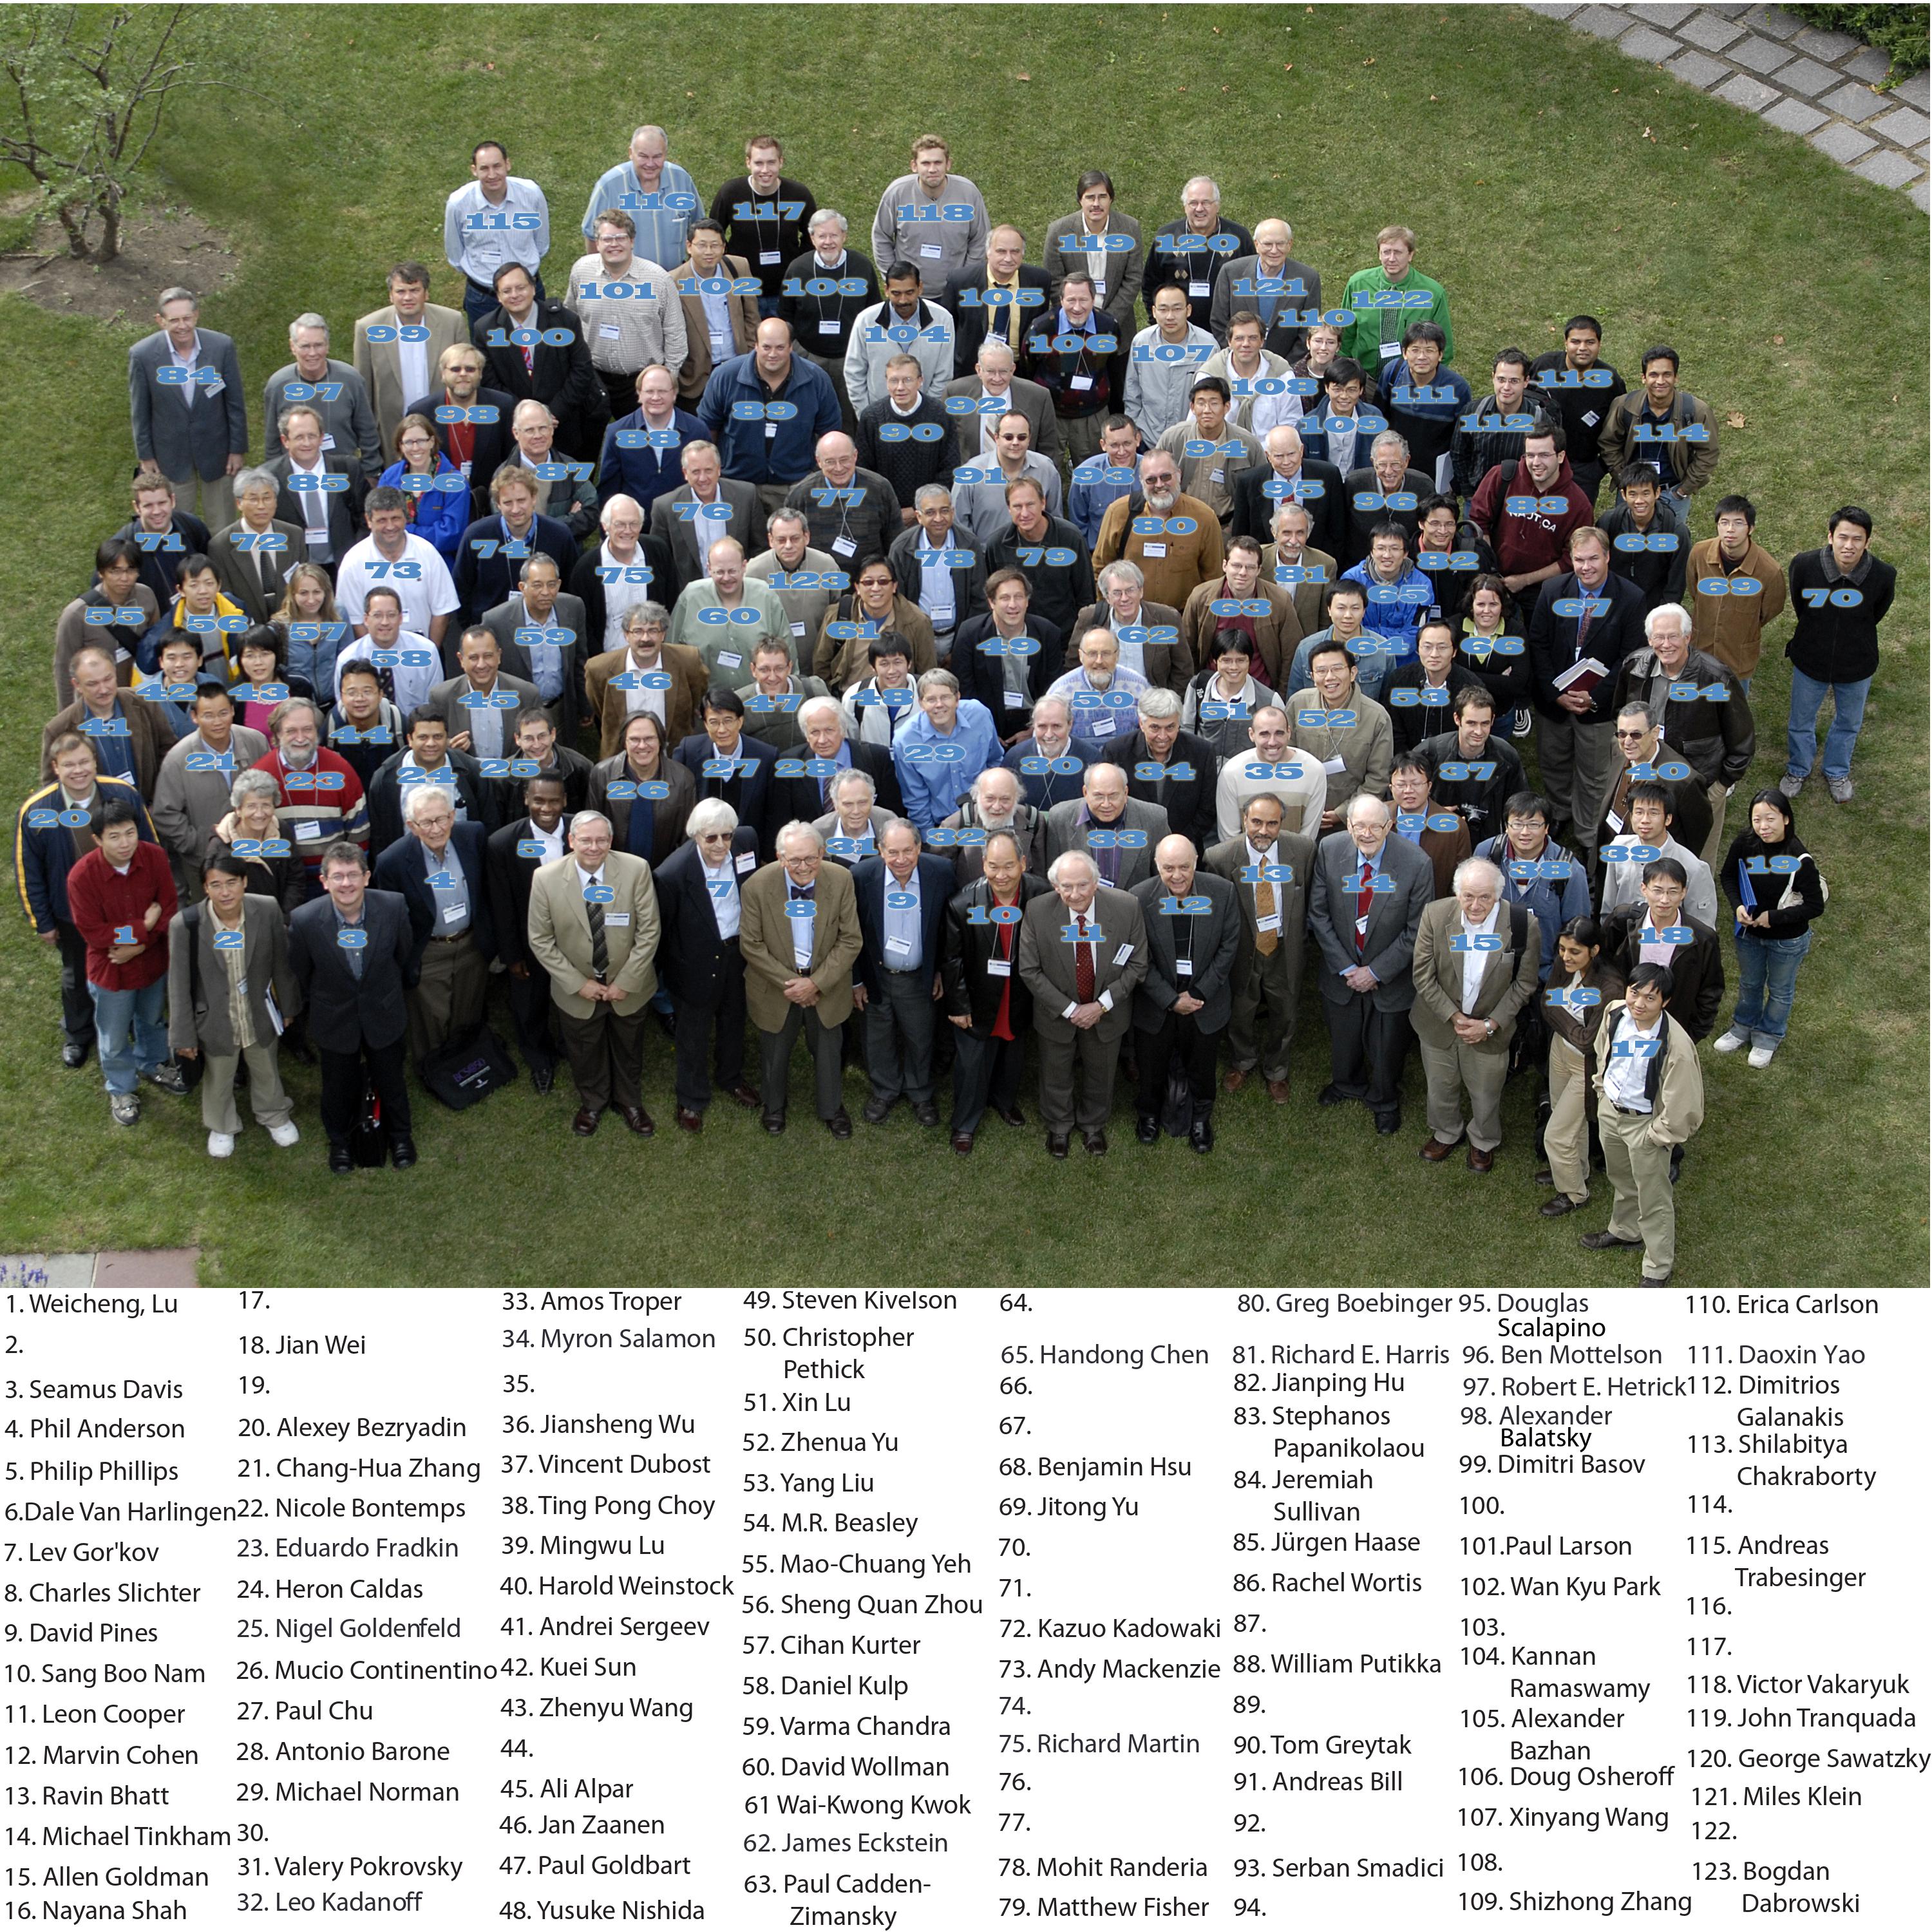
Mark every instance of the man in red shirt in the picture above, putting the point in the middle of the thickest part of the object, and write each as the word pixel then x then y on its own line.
pixel 122 896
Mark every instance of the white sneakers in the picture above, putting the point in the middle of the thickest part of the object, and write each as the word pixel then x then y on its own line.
pixel 1730 1042
pixel 220 1146
pixel 286 1135
pixel 1760 1056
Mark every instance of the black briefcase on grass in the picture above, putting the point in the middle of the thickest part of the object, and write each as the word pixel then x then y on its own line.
pixel 462 1072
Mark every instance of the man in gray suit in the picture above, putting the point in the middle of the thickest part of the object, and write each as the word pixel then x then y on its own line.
pixel 1082 953
pixel 1182 1007
pixel 1269 869
pixel 1121 832
pixel 400 345
pixel 479 707
pixel 1369 895
pixel 555 665
pixel 1477 961
pixel 348 416
pixel 724 508
pixel 190 414
pixel 976 403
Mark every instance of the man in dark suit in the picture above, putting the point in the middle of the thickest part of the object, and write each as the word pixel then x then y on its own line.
pixel 718 506
pixel 425 758
pixel 1182 1007
pixel 190 414
pixel 253 555
pixel 983 659
pixel 989 1004
pixel 727 764
pixel 1368 897
pixel 473 422
pixel 902 894
pixel 703 970
pixel 1586 614
pixel 353 958
pixel 552 662
pixel 1148 632
pixel 495 548
pixel 1366 491
pixel 1187 254
pixel 1289 476
pixel 511 856
pixel 437 869
pixel 478 706
pixel 612 578
pixel 806 794
pixel 1641 747
pixel 1271 282
pixel 1121 832
pixel 1175 769
pixel 329 515
pixel 560 374
pixel 1008 317
pixel 1082 953
pixel 1269 869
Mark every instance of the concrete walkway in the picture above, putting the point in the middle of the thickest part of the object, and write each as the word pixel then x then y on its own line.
pixel 114 1268
pixel 1801 79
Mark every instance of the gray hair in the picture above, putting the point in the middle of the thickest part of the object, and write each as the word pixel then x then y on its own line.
pixel 177 294
pixel 1121 571
pixel 1651 617
pixel 1364 799
pixel 900 825
pixel 1213 186
pixel 1473 868
pixel 993 771
pixel 257 478
pixel 294 410
pixel 253 785
pixel 620 502
pixel 851 776
pixel 1637 708
pixel 580 820
pixel 417 795
pixel 924 497
pixel 797 826
pixel 827 217
pixel 710 814
pixel 812 707
pixel 1052 698
pixel 1389 435
pixel 786 514
pixel 1055 871
pixel 645 613
pixel 310 320
pixel 696 446
pixel 530 402
pixel 1158 702
pixel 938 680
pixel 993 345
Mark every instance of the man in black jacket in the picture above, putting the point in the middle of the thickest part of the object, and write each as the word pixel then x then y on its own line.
pixel 352 956
pixel 1189 254
pixel 1175 769
pixel 1570 384
pixel 511 855
pixel 473 423
pixel 1288 476
pixel 1840 594
pixel 806 793
pixel 1584 616
pixel 558 370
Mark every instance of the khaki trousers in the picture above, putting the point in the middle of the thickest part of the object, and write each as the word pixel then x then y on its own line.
pixel 267 1102
pixel 1566 1140
pixel 1645 1207
pixel 1482 1070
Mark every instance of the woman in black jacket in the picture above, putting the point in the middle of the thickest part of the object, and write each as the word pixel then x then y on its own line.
pixel 1776 891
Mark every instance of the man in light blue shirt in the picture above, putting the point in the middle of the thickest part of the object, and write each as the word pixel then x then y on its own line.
pixel 1096 482
pixel 654 192
pixel 499 218
pixel 938 754
pixel 1101 691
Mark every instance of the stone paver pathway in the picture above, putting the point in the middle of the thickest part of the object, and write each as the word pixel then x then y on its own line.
pixel 113 1268
pixel 1801 79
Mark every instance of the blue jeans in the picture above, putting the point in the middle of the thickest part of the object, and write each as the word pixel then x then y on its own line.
pixel 1767 978
pixel 1801 731
pixel 127 1027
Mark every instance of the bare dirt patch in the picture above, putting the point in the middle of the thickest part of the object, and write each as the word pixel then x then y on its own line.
pixel 159 248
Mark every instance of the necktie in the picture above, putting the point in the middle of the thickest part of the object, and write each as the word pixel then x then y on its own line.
pixel 1365 897
pixel 386 679
pixel 529 360
pixel 600 952
pixel 1003 945
pixel 1109 859
pixel 1267 938
pixel 1582 622
pixel 1083 965
pixel 825 792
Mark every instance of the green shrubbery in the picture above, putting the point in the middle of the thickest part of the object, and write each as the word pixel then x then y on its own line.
pixel 1899 31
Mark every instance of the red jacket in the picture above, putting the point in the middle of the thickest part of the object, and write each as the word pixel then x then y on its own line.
pixel 1535 541
pixel 102 899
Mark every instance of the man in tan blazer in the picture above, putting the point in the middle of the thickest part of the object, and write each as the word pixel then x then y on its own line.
pixel 594 930
pixel 1292 551
pixel 708 261
pixel 799 937
pixel 647 656
pixel 387 363
pixel 1081 1005
pixel 1477 962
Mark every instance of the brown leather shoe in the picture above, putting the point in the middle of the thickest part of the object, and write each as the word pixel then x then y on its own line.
pixel 1480 1162
pixel 637 1120
pixel 962 1143
pixel 1278 1092
pixel 1012 1117
pixel 692 1124
pixel 1431 1149
pixel 1233 1080
pixel 585 1122
pixel 745 1096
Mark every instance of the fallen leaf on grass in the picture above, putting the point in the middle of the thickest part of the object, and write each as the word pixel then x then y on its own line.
pixel 1777 338
pixel 1734 421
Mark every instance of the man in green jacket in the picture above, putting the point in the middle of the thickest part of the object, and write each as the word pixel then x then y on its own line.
pixel 1374 338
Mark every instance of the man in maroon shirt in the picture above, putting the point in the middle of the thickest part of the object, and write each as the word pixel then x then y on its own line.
pixel 122 896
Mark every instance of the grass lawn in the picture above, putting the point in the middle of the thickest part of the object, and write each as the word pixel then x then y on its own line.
pixel 1543 173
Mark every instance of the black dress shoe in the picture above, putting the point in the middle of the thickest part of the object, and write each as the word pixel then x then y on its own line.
pixel 962 1143
pixel 1676 1169
pixel 1012 1116
pixel 1544 1178
pixel 1332 1096
pixel 1201 1136
pixel 402 1150
pixel 637 1120
pixel 340 1160
pixel 744 1095
pixel 666 1020
pixel 543 1078
pixel 1388 1124
pixel 1605 1239
pixel 585 1122
pixel 1056 1145
pixel 874 1111
pixel 926 1114
pixel 692 1124
pixel 1094 1140
pixel 840 1126
pixel 1146 1129
pixel 297 1043
pixel 1560 1203
pixel 73 1055
pixel 774 1123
